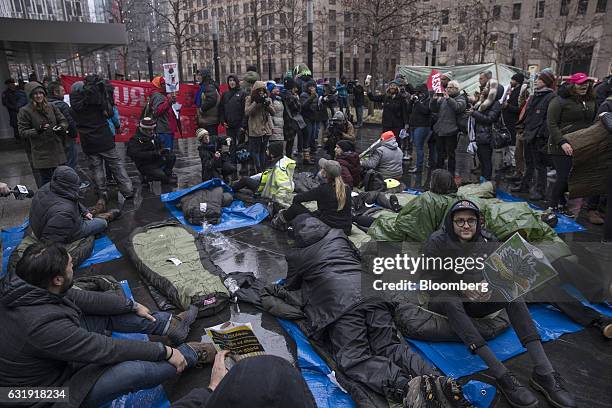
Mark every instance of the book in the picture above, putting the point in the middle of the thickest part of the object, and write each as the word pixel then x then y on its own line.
pixel 516 267
pixel 238 338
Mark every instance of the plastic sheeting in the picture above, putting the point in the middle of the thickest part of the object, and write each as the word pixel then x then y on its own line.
pixel 479 393
pixel 237 215
pixel 151 398
pixel 455 360
pixel 103 251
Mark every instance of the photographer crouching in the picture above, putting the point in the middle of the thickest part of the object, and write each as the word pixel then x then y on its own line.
pixel 338 128
pixel 152 159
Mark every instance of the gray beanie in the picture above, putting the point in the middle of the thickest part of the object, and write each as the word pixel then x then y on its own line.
pixel 331 167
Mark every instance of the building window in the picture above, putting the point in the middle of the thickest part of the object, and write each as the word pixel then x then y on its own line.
pixel 332 2
pixel 583 5
pixel 347 64
pixel 423 45
pixel 602 5
pixel 494 38
pixel 564 7
pixel 511 41
pixel 462 16
pixel 540 9
pixel 443 44
pixel 412 46
pixel 332 46
pixel 535 40
pixel 332 15
pixel 332 64
pixel 332 31
pixel 496 11
pixel 366 65
pixel 445 14
pixel 516 11
pixel 461 43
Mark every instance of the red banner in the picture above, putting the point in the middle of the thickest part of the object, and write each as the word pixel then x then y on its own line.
pixel 131 97
pixel 434 82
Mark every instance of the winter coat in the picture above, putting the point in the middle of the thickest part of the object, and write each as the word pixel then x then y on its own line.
pixel 327 206
pixel 534 119
pixel 145 151
pixel 351 168
pixel 277 119
pixel 326 266
pixel 65 109
pixel 259 115
pixel 484 121
pixel 231 107
pixel 310 106
pixel 211 166
pixel 603 90
pixel 386 159
pixel 358 96
pixel 114 122
pixel 45 345
pixel 276 181
pixel 394 109
pixel 566 114
pixel 208 112
pixel 606 106
pixel 47 146
pixel 92 122
pixel 419 113
pixel 511 112
pixel 292 118
pixel 56 214
pixel 162 112
pixel 248 81
pixel 447 110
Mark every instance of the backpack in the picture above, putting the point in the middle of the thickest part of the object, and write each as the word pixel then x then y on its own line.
pixel 373 181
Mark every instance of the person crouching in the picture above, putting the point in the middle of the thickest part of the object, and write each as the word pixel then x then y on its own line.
pixel 152 159
pixel 214 155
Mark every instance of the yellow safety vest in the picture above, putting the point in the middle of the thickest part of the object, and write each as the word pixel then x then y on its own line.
pixel 277 182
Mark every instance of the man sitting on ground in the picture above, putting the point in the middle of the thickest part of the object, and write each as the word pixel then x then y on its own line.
pixel 56 215
pixel 387 158
pixel 214 156
pixel 54 336
pixel 152 159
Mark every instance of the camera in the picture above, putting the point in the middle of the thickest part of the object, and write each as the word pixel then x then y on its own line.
pixel 20 192
pixel 267 101
pixel 414 98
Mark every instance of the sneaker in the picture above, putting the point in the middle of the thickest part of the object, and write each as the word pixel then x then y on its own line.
pixel 605 325
pixel 452 392
pixel 110 215
pixel 552 173
pixel 516 393
pixel 554 388
pixel 407 157
pixel 395 205
pixel 414 169
pixel 84 185
pixel 206 352
pixel 180 324
pixel 421 393
pixel 594 217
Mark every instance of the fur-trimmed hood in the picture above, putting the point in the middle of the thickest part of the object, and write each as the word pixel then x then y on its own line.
pixel 483 105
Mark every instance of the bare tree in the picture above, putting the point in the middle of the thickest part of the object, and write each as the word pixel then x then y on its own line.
pixel 292 23
pixel 178 22
pixel 321 38
pixel 124 12
pixel 259 23
pixel 231 30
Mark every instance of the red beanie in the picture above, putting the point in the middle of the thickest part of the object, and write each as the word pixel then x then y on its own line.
pixel 388 135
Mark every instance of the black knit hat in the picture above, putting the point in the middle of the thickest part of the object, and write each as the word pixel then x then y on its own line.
pixel 276 149
pixel 251 68
pixel 518 77
pixel 289 84
pixel 346 145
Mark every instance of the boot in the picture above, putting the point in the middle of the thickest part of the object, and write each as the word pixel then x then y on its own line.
pixel 279 222
pixel 180 324
pixel 170 179
pixel 594 217
pixel 110 215
pixel 605 325
pixel 395 205
pixel 553 387
pixel 516 394
pixel 448 389
pixel 206 352
pixel 99 207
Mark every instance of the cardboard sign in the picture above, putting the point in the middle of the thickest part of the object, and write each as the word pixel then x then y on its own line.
pixel 434 82
pixel 171 77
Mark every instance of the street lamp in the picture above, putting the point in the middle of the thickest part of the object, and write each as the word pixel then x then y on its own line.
pixel 355 62
pixel 310 24
pixel 341 35
pixel 150 63
pixel 215 35
pixel 435 35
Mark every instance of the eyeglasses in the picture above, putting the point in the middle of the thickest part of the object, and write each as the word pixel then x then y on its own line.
pixel 460 222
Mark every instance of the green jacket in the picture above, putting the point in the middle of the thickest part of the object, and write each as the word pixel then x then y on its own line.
pixel 566 115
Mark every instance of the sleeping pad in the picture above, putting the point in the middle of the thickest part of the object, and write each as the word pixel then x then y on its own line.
pixel 204 205
pixel 168 256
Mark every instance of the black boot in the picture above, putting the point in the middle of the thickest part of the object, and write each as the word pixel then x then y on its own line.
pixel 517 394
pixel 180 324
pixel 605 325
pixel 553 387
pixel 395 205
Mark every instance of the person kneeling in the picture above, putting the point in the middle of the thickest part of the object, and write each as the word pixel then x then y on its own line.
pixel 152 159
pixel 56 215
pixel 55 336
pixel 216 163
pixel 387 158
pixel 462 236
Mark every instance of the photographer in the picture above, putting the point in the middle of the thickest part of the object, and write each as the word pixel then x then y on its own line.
pixel 43 127
pixel 91 109
pixel 153 160
pixel 420 124
pixel 337 129
pixel 258 108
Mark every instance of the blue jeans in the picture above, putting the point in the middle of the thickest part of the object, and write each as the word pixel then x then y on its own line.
pixel 91 227
pixel 419 135
pixel 131 376
pixel 359 112
pixel 257 148
pixel 72 155
pixel 312 131
pixel 167 139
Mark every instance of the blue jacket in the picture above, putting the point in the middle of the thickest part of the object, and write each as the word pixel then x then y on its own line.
pixel 114 123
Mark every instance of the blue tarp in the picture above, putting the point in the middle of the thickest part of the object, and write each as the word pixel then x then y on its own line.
pixel 151 398
pixel 237 215
pixel 103 251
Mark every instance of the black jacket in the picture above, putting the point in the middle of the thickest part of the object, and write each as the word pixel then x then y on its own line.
pixel 534 119
pixel 91 121
pixel 327 206
pixel 603 90
pixel 484 121
pixel 310 106
pixel 56 214
pixel 231 107
pixel 511 111
pixel 359 96
pixel 292 108
pixel 394 109
pixel 44 344
pixel 65 109
pixel 326 266
pixel 419 113
pixel 211 166
pixel 144 150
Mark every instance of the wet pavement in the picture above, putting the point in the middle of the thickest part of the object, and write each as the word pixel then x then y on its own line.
pixel 582 357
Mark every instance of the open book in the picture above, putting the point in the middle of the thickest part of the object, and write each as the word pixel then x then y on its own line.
pixel 517 267
pixel 238 338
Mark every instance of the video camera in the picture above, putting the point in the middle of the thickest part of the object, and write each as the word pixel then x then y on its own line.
pixel 20 192
pixel 96 93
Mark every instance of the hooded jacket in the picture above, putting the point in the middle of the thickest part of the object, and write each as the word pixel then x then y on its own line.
pixel 351 168
pixel 566 114
pixel 248 81
pixel 44 344
pixel 91 120
pixel 65 109
pixel 278 122
pixel 534 119
pixel 163 113
pixel 418 111
pixel 484 121
pixel 208 111
pixel 56 214
pixel 326 266
pixel 47 146
pixel 309 103
pixel 259 115
pixel 386 159
pixel 447 111
pixel 231 107
pixel 145 150
pixel 445 243
pixel 394 109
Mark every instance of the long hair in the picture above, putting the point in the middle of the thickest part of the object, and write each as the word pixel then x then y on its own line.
pixel 340 188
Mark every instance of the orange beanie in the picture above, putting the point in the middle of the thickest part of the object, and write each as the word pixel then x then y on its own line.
pixel 388 135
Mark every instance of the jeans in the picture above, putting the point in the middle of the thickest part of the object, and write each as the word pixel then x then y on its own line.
pixel 485 155
pixel 130 376
pixel 359 112
pixel 167 139
pixel 257 148
pixel 96 166
pixel 446 145
pixel 433 152
pixel 90 227
pixel 563 166
pixel 234 134
pixel 246 182
pixel 72 155
pixel 535 162
pixel 419 135
pixel 45 175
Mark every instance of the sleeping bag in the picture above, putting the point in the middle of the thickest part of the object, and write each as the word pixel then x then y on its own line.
pixel 168 256
pixel 204 205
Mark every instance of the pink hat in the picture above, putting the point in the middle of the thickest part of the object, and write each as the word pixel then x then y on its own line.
pixel 578 78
